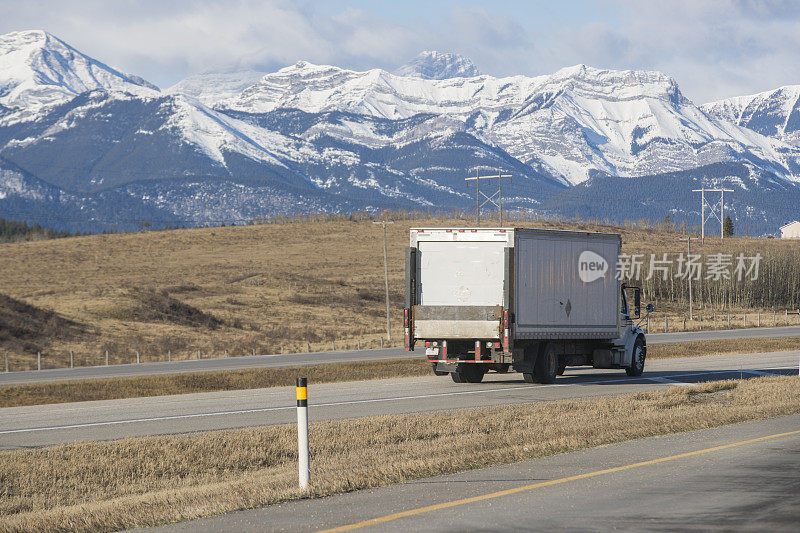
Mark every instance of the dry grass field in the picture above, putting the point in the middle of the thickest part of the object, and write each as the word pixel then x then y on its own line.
pixel 184 383
pixel 104 486
pixel 293 285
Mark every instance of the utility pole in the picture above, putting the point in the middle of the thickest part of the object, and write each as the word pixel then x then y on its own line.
pixel 498 194
pixel 689 275
pixel 712 209
pixel 386 277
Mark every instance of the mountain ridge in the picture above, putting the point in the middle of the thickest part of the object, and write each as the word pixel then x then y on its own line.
pixel 319 137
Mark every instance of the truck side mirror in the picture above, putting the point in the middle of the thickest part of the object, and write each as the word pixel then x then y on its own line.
pixel 637 302
pixel 650 308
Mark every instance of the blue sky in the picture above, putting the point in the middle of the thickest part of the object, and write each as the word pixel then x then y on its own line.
pixel 714 49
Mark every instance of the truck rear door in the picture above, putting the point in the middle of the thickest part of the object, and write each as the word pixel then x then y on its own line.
pixel 460 283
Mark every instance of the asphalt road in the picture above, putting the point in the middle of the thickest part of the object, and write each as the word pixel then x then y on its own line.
pixel 744 477
pixel 43 425
pixel 299 359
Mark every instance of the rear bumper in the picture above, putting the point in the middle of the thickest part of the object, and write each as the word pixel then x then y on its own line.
pixel 456 329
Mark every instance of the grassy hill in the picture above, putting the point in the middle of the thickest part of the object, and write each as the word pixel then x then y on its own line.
pixel 293 285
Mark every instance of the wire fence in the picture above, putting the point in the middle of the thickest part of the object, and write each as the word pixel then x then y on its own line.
pixel 73 359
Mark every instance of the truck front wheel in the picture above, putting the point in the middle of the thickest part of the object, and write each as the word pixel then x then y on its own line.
pixel 546 366
pixel 637 359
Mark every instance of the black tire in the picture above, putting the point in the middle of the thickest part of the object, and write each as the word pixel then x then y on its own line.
pixel 470 373
pixel 639 355
pixel 546 366
pixel 529 378
pixel 438 372
pixel 562 367
pixel 502 368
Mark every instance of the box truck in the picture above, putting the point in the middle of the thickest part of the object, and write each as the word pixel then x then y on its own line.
pixel 534 301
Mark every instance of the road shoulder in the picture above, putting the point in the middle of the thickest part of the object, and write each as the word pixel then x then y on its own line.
pixel 731 503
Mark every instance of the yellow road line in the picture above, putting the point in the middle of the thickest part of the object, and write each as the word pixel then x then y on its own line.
pixel 499 494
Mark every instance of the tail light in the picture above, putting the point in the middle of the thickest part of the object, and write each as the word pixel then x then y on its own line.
pixel 408 346
pixel 506 346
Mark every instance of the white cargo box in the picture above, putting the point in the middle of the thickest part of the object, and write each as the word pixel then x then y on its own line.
pixel 557 284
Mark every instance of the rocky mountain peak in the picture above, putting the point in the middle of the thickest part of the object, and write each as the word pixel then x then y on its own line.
pixel 433 65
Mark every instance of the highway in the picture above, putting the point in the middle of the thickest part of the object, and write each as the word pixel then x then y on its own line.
pixel 43 425
pixel 300 359
pixel 743 477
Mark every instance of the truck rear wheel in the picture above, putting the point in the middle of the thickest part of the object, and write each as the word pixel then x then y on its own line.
pixel 546 366
pixel 637 360
pixel 469 374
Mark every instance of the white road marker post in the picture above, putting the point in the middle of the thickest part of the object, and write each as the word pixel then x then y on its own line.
pixel 303 458
pixel 106 357
pixel 71 359
pixel 38 360
pixel 6 361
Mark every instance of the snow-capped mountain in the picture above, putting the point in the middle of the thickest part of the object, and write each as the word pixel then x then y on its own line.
pixel 576 122
pixel 38 70
pixel 773 113
pixel 212 87
pixel 108 149
pixel 433 65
